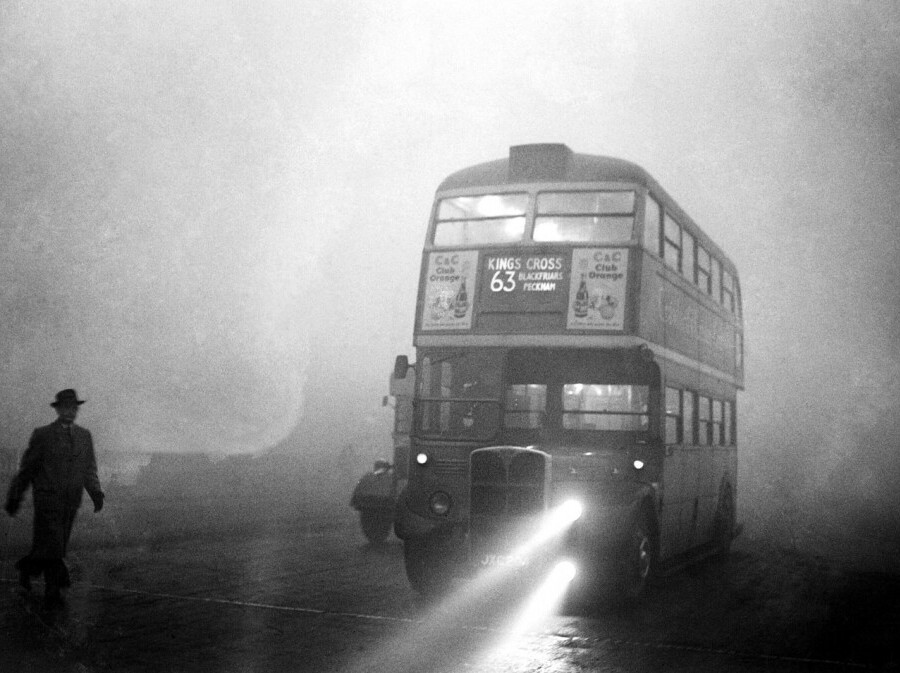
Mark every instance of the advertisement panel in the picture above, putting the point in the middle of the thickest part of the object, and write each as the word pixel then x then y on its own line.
pixel 597 289
pixel 449 282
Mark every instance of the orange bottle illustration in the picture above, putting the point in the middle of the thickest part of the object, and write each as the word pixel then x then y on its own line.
pixel 461 302
pixel 582 300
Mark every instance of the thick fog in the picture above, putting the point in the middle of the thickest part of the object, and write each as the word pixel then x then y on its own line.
pixel 212 213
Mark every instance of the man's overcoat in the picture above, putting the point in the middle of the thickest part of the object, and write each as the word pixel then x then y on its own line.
pixel 58 465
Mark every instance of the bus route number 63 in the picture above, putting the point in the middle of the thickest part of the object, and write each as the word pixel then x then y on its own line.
pixel 503 281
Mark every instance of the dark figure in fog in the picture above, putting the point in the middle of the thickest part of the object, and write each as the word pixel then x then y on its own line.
pixel 58 465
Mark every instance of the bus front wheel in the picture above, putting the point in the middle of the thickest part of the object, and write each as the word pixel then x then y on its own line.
pixel 724 524
pixel 376 524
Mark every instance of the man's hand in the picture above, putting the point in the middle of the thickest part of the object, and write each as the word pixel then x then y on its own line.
pixel 98 500
pixel 12 505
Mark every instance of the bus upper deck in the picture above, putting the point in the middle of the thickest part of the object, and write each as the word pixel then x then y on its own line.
pixel 558 249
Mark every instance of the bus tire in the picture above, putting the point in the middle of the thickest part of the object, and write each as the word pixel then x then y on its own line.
pixel 723 525
pixel 426 563
pixel 376 524
pixel 639 564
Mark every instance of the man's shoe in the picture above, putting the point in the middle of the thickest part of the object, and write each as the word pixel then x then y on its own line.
pixel 24 580
pixel 53 599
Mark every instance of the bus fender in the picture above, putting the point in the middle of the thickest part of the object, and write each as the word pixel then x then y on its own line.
pixel 375 489
pixel 408 524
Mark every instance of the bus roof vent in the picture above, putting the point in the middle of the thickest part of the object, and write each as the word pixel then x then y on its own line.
pixel 534 163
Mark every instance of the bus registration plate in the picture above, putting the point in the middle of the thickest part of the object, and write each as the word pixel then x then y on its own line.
pixel 504 561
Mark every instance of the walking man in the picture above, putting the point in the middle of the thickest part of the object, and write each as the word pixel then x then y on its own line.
pixel 58 465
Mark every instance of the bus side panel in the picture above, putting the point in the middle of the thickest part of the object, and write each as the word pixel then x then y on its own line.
pixel 693 474
pixel 650 324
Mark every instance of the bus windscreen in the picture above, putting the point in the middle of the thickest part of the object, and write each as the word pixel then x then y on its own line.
pixel 459 395
pixel 476 220
pixel 595 216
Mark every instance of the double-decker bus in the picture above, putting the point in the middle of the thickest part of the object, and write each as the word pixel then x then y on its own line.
pixel 578 337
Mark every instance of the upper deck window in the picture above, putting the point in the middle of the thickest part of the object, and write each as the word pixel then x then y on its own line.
pixel 703 270
pixel 652 213
pixel 728 291
pixel 715 280
pixel 595 216
pixel 476 220
pixel 672 243
pixel 687 255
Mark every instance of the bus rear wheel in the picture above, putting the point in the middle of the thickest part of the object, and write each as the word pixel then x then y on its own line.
pixel 426 566
pixel 376 524
pixel 724 525
pixel 639 564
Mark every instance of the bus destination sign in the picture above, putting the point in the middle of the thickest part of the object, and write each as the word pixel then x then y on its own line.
pixel 597 289
pixel 523 283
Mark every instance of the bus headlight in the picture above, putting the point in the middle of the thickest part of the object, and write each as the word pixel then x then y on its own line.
pixel 565 572
pixel 439 503
pixel 570 511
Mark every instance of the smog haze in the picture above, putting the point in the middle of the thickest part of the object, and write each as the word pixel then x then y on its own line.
pixel 212 213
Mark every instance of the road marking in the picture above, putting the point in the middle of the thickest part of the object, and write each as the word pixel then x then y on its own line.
pixel 475 627
pixel 249 604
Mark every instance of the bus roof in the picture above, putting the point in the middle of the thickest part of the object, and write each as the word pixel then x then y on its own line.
pixel 555 162
pixel 546 163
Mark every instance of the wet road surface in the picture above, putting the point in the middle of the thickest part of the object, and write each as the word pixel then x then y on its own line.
pixel 318 598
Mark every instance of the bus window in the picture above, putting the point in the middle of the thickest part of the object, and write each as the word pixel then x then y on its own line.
pixel 727 291
pixel 703 270
pixel 718 434
pixel 730 422
pixel 704 424
pixel 674 425
pixel 651 225
pixel 526 405
pixel 689 417
pixel 687 255
pixel 605 407
pixel 716 280
pixel 672 243
pixel 474 220
pixel 601 217
pixel 458 396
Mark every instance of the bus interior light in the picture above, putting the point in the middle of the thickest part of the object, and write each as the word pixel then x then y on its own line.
pixel 421 458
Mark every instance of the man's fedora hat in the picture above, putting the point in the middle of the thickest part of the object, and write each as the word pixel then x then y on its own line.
pixel 67 396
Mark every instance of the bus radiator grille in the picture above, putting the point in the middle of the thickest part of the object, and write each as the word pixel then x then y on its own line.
pixel 507 482
pixel 450 467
